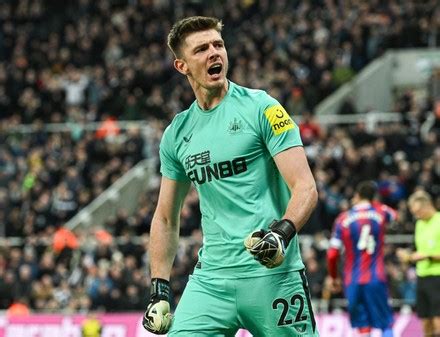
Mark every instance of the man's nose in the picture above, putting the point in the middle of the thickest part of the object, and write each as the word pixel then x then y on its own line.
pixel 213 52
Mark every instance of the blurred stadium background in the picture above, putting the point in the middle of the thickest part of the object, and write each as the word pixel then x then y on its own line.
pixel 87 87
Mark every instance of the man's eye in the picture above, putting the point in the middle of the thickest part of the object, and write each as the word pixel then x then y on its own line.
pixel 201 49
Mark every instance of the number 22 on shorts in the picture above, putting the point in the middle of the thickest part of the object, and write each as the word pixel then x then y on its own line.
pixel 284 305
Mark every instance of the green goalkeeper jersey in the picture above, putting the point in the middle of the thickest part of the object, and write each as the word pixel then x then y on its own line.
pixel 226 152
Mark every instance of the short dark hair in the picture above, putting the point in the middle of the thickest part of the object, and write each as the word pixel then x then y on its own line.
pixel 366 190
pixel 181 29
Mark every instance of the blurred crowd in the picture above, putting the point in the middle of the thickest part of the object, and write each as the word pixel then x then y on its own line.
pixel 46 178
pixel 85 61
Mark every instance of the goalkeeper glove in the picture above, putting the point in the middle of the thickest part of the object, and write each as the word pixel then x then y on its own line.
pixel 157 318
pixel 269 247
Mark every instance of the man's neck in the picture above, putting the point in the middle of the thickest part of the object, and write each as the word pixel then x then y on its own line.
pixel 362 203
pixel 430 213
pixel 208 99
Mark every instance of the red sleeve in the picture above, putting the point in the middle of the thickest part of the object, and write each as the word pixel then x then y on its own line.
pixel 332 262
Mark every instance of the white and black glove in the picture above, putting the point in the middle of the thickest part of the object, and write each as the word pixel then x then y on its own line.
pixel 157 318
pixel 269 247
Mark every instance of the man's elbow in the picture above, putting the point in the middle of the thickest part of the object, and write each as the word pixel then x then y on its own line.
pixel 164 223
pixel 312 192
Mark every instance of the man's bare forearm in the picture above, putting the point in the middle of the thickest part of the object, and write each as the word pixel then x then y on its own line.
pixel 164 239
pixel 293 166
pixel 302 203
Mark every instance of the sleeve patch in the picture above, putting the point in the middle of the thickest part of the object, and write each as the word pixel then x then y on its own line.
pixel 279 119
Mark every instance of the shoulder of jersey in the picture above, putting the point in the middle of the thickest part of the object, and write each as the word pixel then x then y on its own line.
pixel 180 118
pixel 176 124
pixel 244 91
pixel 341 216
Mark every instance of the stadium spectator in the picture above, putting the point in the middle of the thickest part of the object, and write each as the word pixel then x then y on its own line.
pixel 91 326
pixel 309 128
pixel 18 308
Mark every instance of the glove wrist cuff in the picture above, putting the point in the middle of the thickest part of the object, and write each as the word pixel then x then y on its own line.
pixel 160 289
pixel 285 228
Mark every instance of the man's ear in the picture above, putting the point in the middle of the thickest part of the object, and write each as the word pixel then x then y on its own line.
pixel 181 66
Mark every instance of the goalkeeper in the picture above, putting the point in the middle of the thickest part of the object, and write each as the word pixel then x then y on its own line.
pixel 243 153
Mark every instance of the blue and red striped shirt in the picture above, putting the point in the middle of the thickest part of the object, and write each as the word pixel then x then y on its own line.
pixel 361 232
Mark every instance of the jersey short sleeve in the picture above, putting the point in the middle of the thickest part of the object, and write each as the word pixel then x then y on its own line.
pixel 336 239
pixel 278 130
pixel 170 166
pixel 391 214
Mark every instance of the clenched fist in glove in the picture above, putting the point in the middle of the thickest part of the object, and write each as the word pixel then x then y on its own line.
pixel 157 318
pixel 269 247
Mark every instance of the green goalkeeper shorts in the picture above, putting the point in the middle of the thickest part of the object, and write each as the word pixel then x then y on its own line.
pixel 274 305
